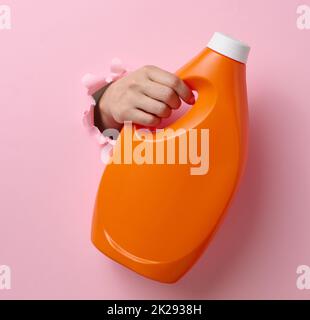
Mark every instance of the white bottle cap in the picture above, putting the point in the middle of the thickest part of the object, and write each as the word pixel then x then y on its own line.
pixel 229 47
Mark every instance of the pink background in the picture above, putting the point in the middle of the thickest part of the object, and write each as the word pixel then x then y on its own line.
pixel 50 168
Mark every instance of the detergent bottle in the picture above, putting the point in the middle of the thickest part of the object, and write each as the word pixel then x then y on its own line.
pixel 157 217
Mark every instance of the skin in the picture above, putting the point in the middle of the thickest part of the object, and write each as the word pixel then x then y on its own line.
pixel 144 97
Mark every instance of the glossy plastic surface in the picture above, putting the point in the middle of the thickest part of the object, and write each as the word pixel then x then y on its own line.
pixel 158 219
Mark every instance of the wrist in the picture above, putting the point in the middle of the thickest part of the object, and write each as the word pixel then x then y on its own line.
pixel 104 117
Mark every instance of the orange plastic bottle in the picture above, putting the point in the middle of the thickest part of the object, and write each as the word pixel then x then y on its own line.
pixel 157 218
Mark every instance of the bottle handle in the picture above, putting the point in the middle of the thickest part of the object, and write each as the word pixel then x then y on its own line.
pixel 199 111
pixel 203 106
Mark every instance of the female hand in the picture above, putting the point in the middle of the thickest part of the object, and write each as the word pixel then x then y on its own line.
pixel 143 97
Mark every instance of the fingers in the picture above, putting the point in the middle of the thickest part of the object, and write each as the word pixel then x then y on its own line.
pixel 172 81
pixel 162 93
pixel 142 118
pixel 154 107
